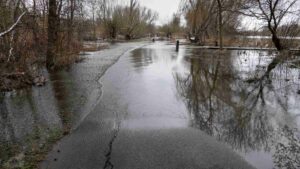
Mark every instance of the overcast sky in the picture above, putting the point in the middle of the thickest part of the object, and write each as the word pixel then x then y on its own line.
pixel 165 8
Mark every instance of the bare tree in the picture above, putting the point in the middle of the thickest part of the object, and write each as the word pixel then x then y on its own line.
pixel 132 12
pixel 144 18
pixel 273 13
pixel 120 19
pixel 204 17
pixel 53 24
pixel 220 10
pixel 226 11
pixel 93 4
pixel 199 14
pixel 13 9
pixel 72 5
pixel 106 16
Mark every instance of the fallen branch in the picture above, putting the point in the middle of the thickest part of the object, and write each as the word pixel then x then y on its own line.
pixel 13 26
pixel 13 74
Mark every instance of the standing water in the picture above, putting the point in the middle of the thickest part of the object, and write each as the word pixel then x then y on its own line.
pixel 165 109
pixel 248 100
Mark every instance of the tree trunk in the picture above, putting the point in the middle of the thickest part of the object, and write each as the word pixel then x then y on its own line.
pixel 277 42
pixel 220 24
pixel 70 23
pixel 113 32
pixel 94 24
pixel 128 37
pixel 53 24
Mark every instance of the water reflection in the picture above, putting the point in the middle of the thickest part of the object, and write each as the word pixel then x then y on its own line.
pixel 25 111
pixel 142 58
pixel 32 117
pixel 62 87
pixel 28 118
pixel 246 99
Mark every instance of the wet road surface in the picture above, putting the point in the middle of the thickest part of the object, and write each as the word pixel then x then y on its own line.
pixel 141 122
pixel 157 108
pixel 32 117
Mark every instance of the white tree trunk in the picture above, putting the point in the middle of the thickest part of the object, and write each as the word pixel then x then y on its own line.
pixel 13 26
pixel 11 46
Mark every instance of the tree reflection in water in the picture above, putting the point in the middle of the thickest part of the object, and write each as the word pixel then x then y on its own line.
pixel 251 112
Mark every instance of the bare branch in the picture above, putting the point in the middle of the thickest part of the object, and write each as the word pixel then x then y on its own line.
pixel 13 26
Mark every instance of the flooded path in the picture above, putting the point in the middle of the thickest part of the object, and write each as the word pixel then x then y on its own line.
pixel 32 119
pixel 192 109
pixel 141 121
pixel 157 108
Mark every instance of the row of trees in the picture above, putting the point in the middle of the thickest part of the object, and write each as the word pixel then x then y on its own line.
pixel 130 20
pixel 34 29
pixel 55 28
pixel 206 18
pixel 172 27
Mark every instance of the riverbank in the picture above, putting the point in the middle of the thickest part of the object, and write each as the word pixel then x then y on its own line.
pixel 33 119
pixel 242 43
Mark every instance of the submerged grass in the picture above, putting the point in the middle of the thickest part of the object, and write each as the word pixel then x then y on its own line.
pixel 15 157
pixel 37 152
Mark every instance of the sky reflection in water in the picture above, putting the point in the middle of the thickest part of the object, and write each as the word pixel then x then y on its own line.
pixel 247 99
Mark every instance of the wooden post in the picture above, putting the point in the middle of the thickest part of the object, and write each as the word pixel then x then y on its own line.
pixel 177 45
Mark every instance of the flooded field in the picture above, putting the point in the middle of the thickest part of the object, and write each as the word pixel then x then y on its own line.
pixel 158 108
pixel 247 99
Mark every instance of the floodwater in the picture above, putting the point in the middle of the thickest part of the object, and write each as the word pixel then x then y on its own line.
pixel 158 108
pixel 32 117
pixel 248 100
